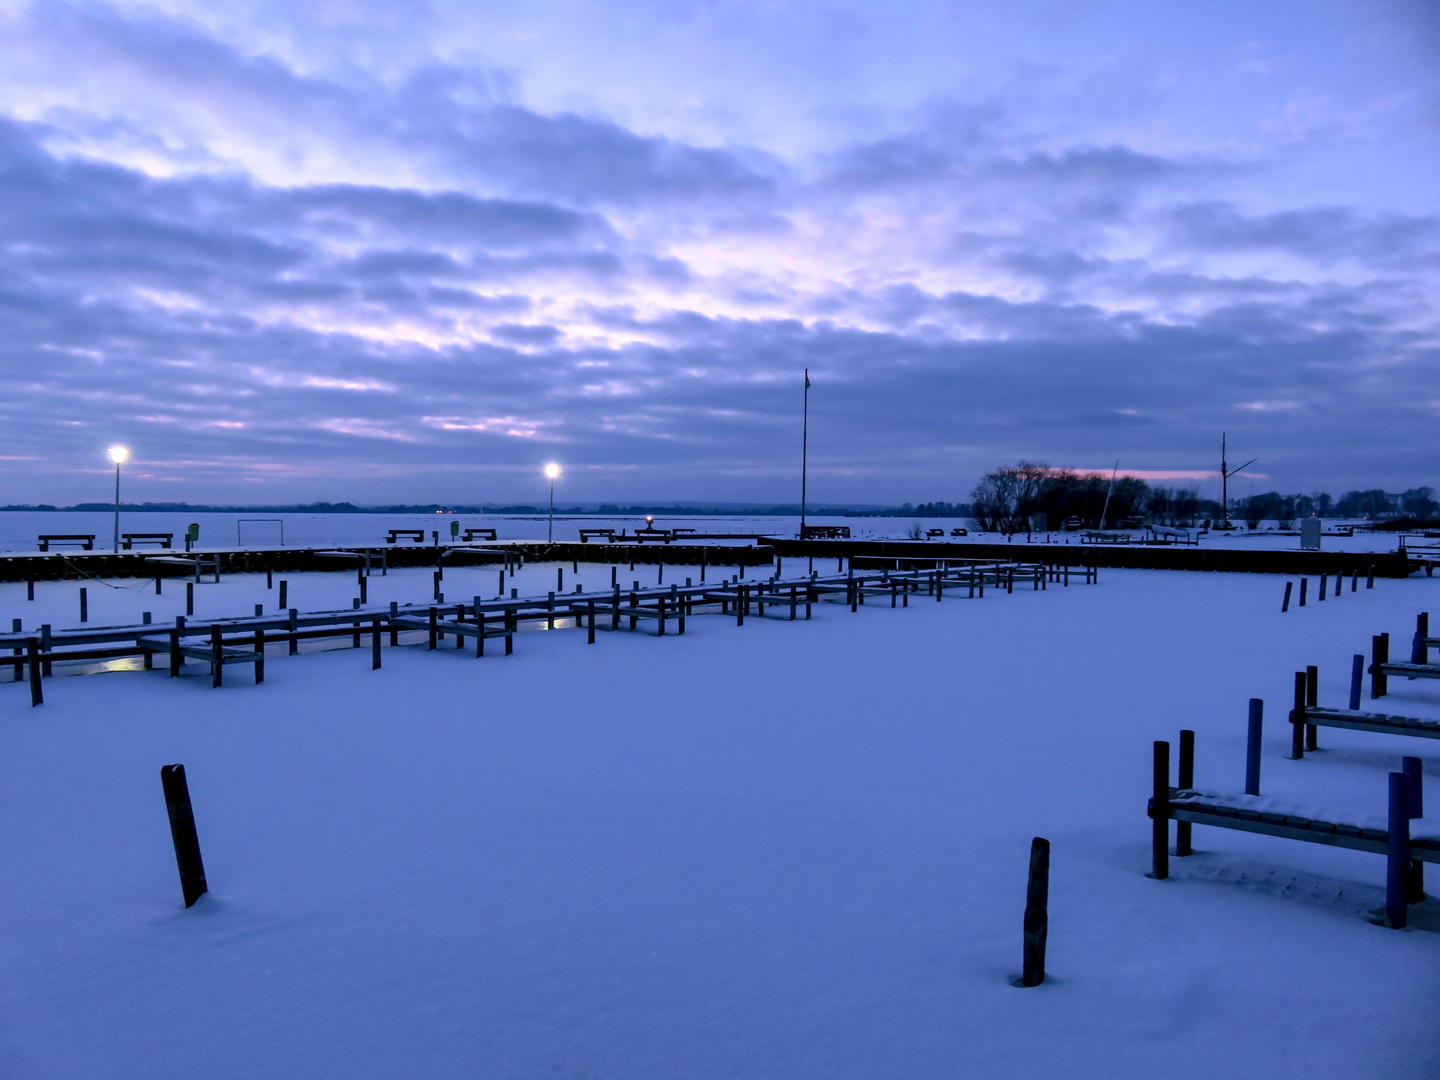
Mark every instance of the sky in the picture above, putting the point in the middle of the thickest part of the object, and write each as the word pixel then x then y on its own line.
pixel 413 252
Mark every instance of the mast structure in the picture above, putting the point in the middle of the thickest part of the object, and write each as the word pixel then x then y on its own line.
pixel 804 451
pixel 1225 474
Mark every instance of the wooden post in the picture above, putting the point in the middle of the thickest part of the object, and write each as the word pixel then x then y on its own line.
pixel 30 588
pixel 259 656
pixel 1252 746
pixel 284 600
pixel 46 669
pixel 1419 651
pixel 364 586
pixel 590 640
pixel 1415 790
pixel 479 631
pixel 32 659
pixel 1379 654
pixel 1354 580
pixel 269 579
pixel 741 602
pixel 1397 861
pixel 1160 814
pixel 217 658
pixel 1370 577
pixel 1285 605
pixel 355 637
pixel 1037 913
pixel 434 634
pixel 394 630
pixel 661 610
pixel 294 616
pixel 375 644
pixel 189 598
pixel 1312 700
pixel 84 605
pixel 182 833
pixel 157 584
pixel 18 667
pixel 1297 718
pixel 1357 679
pixel 1304 589
pixel 615 607
pixel 1324 580
pixel 510 621
pixel 176 658
pixel 1185 780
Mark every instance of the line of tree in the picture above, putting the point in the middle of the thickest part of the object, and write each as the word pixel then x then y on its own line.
pixel 1415 504
pixel 1008 499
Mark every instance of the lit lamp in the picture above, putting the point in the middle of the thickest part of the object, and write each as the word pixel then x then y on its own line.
pixel 118 454
pixel 552 471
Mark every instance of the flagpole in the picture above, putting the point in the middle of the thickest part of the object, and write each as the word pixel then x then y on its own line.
pixel 804 452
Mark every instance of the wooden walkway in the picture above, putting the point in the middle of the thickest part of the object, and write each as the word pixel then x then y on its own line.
pixel 223 642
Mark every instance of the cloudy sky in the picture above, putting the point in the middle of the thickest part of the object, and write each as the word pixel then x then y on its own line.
pixel 324 249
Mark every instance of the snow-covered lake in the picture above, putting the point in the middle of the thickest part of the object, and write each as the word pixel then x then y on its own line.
pixel 784 850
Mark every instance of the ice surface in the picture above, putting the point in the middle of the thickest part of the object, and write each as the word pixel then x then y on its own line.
pixel 782 850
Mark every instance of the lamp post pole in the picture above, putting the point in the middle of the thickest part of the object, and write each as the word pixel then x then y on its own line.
pixel 552 471
pixel 117 454
pixel 804 451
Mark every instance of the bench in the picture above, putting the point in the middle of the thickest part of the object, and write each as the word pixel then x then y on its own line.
pixel 824 532
pixel 130 539
pixel 931 534
pixel 586 534
pixel 417 535
pixel 85 540
pixel 484 534
pixel 1191 806
pixel 650 533
pixel 959 532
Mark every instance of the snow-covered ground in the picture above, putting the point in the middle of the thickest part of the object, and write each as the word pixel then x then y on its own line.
pixel 778 850
pixel 19 529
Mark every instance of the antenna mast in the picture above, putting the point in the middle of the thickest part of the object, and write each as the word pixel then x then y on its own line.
pixel 1225 474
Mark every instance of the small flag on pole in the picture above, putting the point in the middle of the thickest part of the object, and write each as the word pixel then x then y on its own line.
pixel 807 379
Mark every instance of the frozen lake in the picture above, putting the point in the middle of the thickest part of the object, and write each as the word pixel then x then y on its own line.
pixel 783 850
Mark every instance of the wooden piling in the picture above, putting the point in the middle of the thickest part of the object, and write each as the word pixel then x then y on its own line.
pixel 183 834
pixel 84 605
pixel 375 644
pixel 1379 654
pixel 32 661
pixel 259 656
pixel 294 620
pixel 1185 780
pixel 1297 717
pixel 1252 746
pixel 1285 604
pixel 189 598
pixel 1312 700
pixel 217 659
pixel 284 600
pixel 1037 913
pixel 1397 860
pixel 1160 813
pixel 1357 679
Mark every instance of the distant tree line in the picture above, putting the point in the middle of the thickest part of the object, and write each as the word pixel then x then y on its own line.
pixel 1007 499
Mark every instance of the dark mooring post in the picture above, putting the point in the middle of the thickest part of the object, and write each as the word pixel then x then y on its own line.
pixel 1185 780
pixel 84 606
pixel 270 578
pixel 364 585
pixel 1160 814
pixel 1312 700
pixel 375 645
pixel 189 598
pixel 1252 746
pixel 1285 604
pixel 217 658
pixel 32 662
pixel 1037 913
pixel 1297 717
pixel 1379 654
pixel 1415 808
pixel 158 579
pixel 1419 651
pixel 1357 680
pixel 284 598
pixel 182 832
pixel 1304 588
pixel 1397 862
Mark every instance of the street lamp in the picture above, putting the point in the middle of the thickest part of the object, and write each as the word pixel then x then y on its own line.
pixel 118 454
pixel 552 470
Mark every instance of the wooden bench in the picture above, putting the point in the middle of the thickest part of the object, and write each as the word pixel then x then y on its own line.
pixel 959 532
pixel 825 532
pixel 586 534
pixel 130 539
pixel 417 535
pixel 484 534
pixel 931 534
pixel 85 540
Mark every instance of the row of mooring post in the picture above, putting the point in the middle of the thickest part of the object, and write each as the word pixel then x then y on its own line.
pixel 1323 585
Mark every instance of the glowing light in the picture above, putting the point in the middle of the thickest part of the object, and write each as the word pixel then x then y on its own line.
pixel 118 454
pixel 552 471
